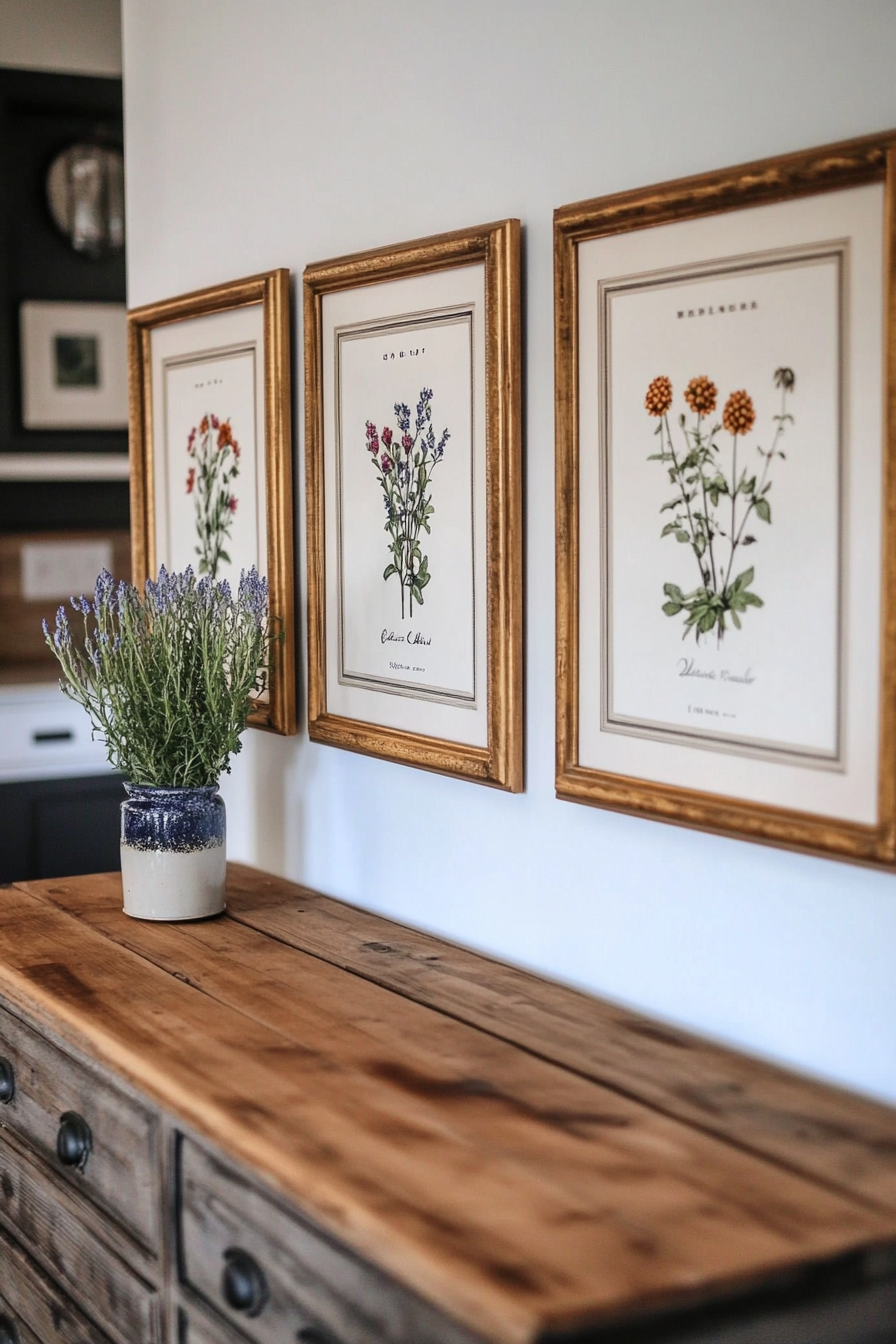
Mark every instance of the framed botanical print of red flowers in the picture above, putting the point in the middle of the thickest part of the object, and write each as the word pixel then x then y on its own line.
pixel 211 451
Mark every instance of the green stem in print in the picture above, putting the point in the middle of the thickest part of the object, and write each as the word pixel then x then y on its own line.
pixel 216 464
pixel 698 479
pixel 405 464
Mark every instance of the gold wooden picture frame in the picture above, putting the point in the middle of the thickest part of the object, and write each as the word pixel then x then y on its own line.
pixel 211 451
pixel 414 503
pixel 747 693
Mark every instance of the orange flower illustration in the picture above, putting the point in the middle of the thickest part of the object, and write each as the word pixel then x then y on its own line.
pixel 739 413
pixel 700 394
pixel 716 499
pixel 659 396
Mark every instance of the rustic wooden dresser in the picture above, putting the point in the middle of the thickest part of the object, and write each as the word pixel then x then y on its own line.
pixel 303 1124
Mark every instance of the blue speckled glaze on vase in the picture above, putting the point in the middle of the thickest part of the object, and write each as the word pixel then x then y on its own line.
pixel 173 852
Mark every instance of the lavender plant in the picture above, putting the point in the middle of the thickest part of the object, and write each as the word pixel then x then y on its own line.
pixel 216 463
pixel 405 470
pixel 167 678
pixel 710 509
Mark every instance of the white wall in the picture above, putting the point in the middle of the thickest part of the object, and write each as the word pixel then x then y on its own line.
pixel 288 131
pixel 80 36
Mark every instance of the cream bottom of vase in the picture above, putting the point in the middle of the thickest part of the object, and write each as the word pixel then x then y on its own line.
pixel 173 884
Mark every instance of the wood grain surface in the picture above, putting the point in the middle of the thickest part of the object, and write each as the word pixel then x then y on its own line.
pixel 519 1190
pixel 79 1253
pixel 27 1295
pixel 822 1131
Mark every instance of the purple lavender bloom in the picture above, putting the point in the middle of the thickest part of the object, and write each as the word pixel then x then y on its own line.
pixel 424 412
pixel 253 595
pixel 62 636
pixel 103 589
pixel 124 595
pixel 439 450
pixel 403 416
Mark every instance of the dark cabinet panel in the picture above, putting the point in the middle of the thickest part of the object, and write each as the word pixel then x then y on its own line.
pixel 59 827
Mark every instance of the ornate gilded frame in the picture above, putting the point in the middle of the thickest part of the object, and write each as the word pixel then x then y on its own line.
pixel 831 168
pixel 497 247
pixel 277 714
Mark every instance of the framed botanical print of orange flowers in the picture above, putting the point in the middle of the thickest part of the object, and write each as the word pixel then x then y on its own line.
pixel 726 501
pixel 211 451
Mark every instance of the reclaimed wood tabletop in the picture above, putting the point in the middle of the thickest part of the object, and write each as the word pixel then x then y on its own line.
pixel 524 1155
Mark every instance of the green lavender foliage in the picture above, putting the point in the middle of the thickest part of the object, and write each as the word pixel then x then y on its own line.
pixel 167 678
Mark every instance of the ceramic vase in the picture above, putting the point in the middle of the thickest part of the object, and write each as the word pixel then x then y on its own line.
pixel 172 852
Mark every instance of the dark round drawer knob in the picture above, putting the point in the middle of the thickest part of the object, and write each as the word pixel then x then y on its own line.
pixel 243 1283
pixel 74 1140
pixel 8 1332
pixel 7 1091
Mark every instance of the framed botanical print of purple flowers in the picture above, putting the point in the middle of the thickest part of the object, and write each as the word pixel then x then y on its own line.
pixel 404 468
pixel 726 501
pixel 211 478
pixel 413 489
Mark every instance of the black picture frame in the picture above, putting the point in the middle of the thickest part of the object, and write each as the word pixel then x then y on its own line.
pixel 41 113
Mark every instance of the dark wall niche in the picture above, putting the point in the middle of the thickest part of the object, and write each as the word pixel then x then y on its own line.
pixel 40 115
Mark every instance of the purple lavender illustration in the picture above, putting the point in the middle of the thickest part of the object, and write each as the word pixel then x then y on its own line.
pixel 405 466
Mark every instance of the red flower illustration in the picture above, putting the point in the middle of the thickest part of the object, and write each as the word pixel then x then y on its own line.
pixel 216 456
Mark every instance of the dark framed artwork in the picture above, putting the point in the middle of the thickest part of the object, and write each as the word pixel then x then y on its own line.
pixel 60 474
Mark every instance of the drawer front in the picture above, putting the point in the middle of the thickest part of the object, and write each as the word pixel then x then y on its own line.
pixel 196 1326
pixel 38 1312
pixel 44 734
pixel 296 1284
pixel 49 1084
pixel 39 1212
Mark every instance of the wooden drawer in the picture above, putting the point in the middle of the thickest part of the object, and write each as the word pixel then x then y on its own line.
pixel 81 1253
pixel 196 1326
pixel 311 1291
pixel 49 1084
pixel 39 1313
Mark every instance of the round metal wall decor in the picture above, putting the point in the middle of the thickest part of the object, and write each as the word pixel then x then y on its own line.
pixel 85 193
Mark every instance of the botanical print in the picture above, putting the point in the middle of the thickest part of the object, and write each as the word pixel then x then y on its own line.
pixel 216 463
pixel 404 470
pixel 710 510
pixel 722 612
pixel 404 524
